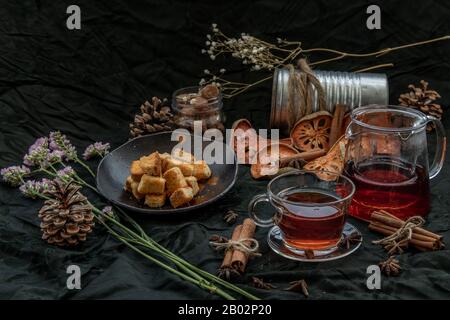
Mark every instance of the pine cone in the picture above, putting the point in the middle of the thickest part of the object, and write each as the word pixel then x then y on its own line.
pixel 154 117
pixel 66 218
pixel 422 98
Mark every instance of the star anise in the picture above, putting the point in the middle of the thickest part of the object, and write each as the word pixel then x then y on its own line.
pixel 350 239
pixel 390 267
pixel 230 217
pixel 260 284
pixel 299 286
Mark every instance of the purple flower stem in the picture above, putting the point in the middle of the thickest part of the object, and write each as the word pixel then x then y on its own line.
pixel 85 166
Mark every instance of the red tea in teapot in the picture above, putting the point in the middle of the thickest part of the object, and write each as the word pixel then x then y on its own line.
pixel 397 187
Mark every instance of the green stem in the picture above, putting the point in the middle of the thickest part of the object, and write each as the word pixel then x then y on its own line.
pixel 85 166
pixel 148 242
pixel 40 195
pixel 152 244
pixel 199 282
pixel 195 278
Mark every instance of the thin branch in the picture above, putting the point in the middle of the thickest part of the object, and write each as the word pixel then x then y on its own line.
pixel 378 66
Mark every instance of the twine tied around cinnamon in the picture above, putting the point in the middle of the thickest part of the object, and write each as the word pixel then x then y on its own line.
pixel 402 236
pixel 248 246
pixel 301 94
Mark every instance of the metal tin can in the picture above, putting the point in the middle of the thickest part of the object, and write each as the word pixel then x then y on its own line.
pixel 351 89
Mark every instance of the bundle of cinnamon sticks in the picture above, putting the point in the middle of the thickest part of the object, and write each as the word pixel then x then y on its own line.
pixel 387 224
pixel 235 261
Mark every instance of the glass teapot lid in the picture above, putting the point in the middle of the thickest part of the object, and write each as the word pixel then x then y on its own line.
pixel 389 118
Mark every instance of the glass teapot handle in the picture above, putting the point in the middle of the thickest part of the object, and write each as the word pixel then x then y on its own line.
pixel 441 146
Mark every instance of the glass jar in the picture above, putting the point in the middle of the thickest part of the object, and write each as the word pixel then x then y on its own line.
pixel 189 105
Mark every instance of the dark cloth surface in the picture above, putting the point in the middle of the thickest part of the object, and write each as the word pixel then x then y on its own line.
pixel 89 83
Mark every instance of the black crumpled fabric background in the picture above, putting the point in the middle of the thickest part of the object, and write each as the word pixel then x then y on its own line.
pixel 89 83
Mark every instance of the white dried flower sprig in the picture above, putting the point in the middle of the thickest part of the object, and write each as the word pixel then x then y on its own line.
pixel 257 53
pixel 261 55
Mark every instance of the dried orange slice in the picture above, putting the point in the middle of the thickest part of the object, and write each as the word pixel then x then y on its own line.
pixel 269 158
pixel 312 132
pixel 333 161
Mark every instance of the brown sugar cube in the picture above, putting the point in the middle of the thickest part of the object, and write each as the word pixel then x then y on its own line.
pixel 155 200
pixel 170 163
pixel 187 169
pixel 201 170
pixel 151 165
pixel 150 184
pixel 192 182
pixel 164 155
pixel 181 196
pixel 128 183
pixel 134 190
pixel 174 180
pixel 136 170
pixel 183 156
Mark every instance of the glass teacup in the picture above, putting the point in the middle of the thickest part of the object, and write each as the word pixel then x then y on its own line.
pixel 311 208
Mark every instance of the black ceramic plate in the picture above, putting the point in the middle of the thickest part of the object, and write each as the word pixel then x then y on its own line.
pixel 115 167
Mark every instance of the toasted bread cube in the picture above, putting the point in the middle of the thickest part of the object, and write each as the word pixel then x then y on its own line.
pixel 192 182
pixel 164 155
pixel 181 196
pixel 170 163
pixel 134 190
pixel 150 184
pixel 174 180
pixel 183 156
pixel 187 169
pixel 128 183
pixel 201 170
pixel 136 170
pixel 155 200
pixel 151 165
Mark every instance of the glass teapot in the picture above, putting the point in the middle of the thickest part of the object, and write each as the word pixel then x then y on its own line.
pixel 387 160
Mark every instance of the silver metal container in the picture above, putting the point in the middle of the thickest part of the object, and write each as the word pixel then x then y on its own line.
pixel 351 89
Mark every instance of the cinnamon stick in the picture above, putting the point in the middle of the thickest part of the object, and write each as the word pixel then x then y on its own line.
pixel 307 156
pixel 229 253
pixel 336 124
pixel 239 259
pixel 418 230
pixel 396 223
pixel 417 243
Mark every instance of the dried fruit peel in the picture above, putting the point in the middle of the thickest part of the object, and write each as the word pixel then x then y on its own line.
pixel 312 132
pixel 333 161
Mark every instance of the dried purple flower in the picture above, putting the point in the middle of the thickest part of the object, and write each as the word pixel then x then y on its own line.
pixel 59 142
pixel 33 188
pixel 14 175
pixel 96 149
pixel 107 210
pixel 66 173
pixel 55 156
pixel 37 153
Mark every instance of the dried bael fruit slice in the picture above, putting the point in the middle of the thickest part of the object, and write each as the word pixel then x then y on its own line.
pixel 269 159
pixel 312 131
pixel 333 161
pixel 287 141
pixel 244 136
